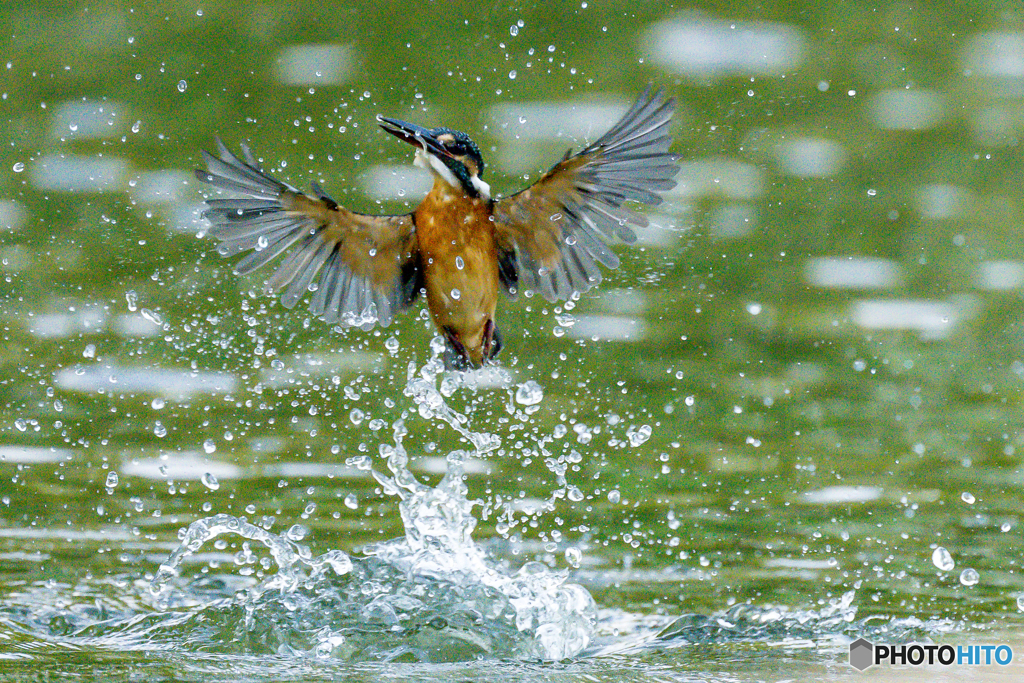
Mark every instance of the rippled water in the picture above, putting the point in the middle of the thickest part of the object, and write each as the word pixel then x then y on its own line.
pixel 792 418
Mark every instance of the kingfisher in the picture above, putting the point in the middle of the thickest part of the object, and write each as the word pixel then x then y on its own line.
pixel 461 245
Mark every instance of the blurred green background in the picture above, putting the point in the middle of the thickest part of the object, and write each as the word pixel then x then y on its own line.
pixel 804 380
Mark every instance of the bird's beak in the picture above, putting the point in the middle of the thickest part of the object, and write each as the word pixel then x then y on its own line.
pixel 417 136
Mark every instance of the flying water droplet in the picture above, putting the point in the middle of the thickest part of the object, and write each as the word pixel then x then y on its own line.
pixel 111 480
pixel 18 167
pixel 132 298
pixel 459 263
pixel 529 393
pixel 967 497
pixel 456 294
pixel 969 577
pixel 159 430
pixel 639 435
pixel 351 501
pixel 209 446
pixel 942 559
pixel 573 557
pixel 614 496
pixel 210 481
pixel 182 85
pixel 152 316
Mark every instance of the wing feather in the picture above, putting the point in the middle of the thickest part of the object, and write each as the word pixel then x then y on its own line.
pixel 360 263
pixel 555 229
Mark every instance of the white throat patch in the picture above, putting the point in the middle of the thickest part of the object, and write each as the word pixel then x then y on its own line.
pixel 435 165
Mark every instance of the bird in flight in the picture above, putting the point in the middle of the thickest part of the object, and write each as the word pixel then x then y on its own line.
pixel 461 245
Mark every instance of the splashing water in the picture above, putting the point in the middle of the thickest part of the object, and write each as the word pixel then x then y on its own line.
pixel 431 595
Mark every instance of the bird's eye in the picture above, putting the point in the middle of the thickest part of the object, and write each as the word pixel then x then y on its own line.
pixel 456 147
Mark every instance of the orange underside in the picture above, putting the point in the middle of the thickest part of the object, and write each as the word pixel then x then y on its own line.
pixel 460 265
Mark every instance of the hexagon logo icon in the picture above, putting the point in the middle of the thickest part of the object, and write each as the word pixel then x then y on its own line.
pixel 862 654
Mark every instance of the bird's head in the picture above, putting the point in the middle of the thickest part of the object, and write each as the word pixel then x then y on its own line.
pixel 449 154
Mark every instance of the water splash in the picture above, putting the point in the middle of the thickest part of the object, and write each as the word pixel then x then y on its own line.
pixel 829 628
pixel 431 595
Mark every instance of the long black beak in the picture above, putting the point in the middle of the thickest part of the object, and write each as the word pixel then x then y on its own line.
pixel 417 136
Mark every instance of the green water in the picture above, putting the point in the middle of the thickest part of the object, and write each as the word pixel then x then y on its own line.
pixel 822 335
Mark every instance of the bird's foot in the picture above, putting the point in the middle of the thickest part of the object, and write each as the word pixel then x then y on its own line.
pixel 456 357
pixel 492 340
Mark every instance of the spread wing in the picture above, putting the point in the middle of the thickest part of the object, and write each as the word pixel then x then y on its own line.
pixel 551 235
pixel 365 268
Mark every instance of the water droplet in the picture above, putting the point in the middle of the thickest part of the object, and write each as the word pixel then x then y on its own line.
pixel 157 403
pixel 573 557
pixel 639 435
pixel 356 416
pixel 614 496
pixel 89 351
pixel 872 192
pixel 459 263
pixel 391 345
pixel 111 480
pixel 21 424
pixel 967 497
pixel 942 559
pixel 182 85
pixel 456 294
pixel 529 393
pixel 137 126
pixel 512 74
pixel 152 316
pixel 574 494
pixel 351 501
pixel 58 405
pixel 73 127
pixel 754 309
pixel 210 481
pixel 1020 602
pixel 969 577
pixel 18 167
pixel 160 430
pixel 132 298
pixel 209 446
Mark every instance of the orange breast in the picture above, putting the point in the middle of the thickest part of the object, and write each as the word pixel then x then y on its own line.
pixel 460 266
